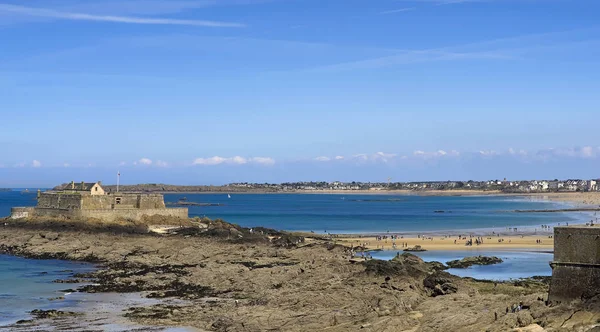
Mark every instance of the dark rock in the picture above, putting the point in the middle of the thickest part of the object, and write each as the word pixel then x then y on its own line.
pixel 440 283
pixel 415 248
pixel 408 259
pixel 437 266
pixel 42 314
pixel 475 260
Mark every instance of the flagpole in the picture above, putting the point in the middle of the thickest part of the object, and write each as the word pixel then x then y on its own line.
pixel 118 177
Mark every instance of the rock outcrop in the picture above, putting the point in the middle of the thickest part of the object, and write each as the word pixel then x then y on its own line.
pixel 475 260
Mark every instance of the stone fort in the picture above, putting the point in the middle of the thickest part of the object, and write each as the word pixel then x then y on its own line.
pixel 576 265
pixel 89 200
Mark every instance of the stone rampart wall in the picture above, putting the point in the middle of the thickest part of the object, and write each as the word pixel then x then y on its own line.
pixel 577 244
pixel 21 212
pixel 151 201
pixel 109 215
pixel 576 265
pixel 59 201
pixel 134 214
pixel 97 202
pixel 570 282
pixel 123 201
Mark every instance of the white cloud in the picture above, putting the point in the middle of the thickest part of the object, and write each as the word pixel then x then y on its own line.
pixel 66 165
pixel 216 160
pixel 239 160
pixel 438 153
pixel 587 152
pixel 514 152
pixel 375 157
pixel 339 157
pixel 488 153
pixel 160 163
pixel 49 13
pixel 36 164
pixel 145 161
pixel 122 163
pixel 383 157
pixel 263 161
pixel 210 161
pixel 322 159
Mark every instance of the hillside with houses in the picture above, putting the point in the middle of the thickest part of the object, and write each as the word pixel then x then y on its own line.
pixel 505 186
pixel 523 186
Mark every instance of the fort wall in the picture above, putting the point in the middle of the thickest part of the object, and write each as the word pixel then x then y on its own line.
pixel 576 265
pixel 133 214
pixel 108 207
pixel 60 201
pixel 21 212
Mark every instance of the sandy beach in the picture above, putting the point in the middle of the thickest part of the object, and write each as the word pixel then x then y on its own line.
pixel 513 242
pixel 578 199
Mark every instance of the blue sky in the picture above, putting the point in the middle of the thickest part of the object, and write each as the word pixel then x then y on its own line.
pixel 210 92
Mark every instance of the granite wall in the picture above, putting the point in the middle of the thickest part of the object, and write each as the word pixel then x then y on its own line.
pixel 576 265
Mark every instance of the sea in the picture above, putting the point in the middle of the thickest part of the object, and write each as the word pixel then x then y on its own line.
pixel 27 284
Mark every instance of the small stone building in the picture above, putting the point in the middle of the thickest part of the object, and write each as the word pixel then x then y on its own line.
pixel 576 265
pixel 89 200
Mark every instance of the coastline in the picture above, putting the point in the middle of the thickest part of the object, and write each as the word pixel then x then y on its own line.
pixel 230 258
pixel 275 283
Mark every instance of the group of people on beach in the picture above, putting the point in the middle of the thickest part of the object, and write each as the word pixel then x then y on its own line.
pixel 385 237
pixel 478 241
pixel 404 245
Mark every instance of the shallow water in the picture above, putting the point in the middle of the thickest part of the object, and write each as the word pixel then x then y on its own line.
pixel 517 264
pixel 26 284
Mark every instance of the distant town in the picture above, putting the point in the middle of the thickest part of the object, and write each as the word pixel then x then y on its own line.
pixel 533 186
pixel 505 186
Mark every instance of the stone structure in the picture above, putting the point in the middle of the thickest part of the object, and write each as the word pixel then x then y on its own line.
pixel 576 265
pixel 89 200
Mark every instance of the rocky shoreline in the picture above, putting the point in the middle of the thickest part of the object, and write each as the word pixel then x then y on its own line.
pixel 226 278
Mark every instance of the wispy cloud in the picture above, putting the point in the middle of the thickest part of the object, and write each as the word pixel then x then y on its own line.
pixel 394 11
pixel 50 13
pixel 416 56
pixel 36 164
pixel 237 160
pixel 144 161
pixel 436 154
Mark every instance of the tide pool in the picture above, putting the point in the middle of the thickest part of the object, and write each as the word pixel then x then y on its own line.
pixel 517 264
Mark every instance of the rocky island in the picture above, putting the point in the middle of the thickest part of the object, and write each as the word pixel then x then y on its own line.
pixel 475 260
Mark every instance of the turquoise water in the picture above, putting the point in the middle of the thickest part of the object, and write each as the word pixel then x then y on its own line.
pixel 26 284
pixel 517 264
pixel 373 213
pixel 357 213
